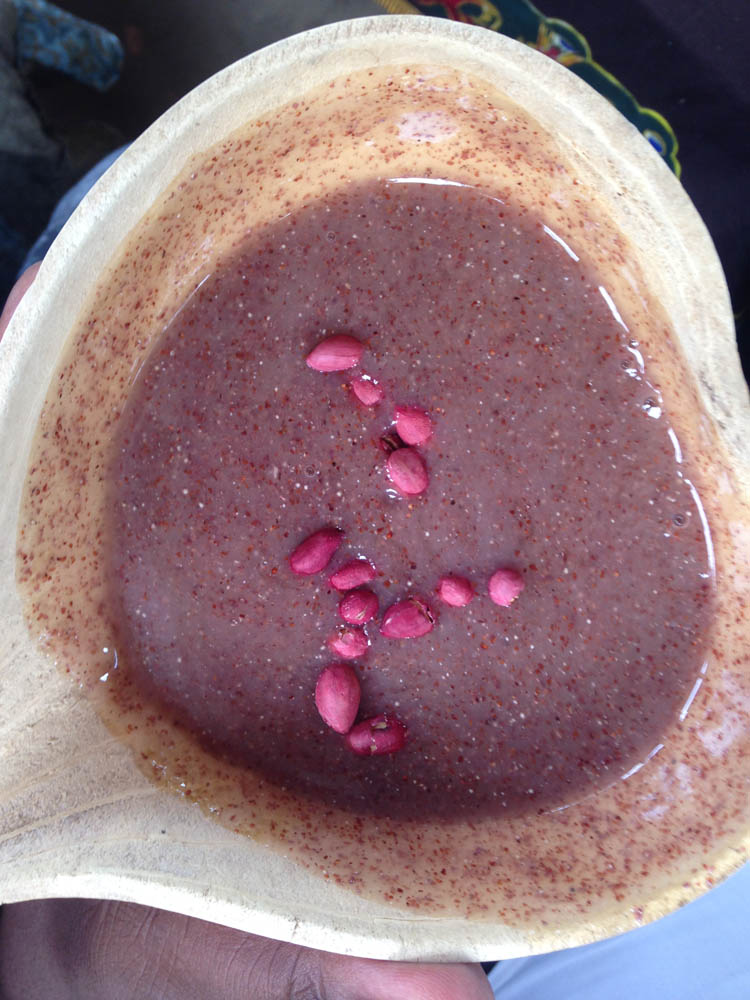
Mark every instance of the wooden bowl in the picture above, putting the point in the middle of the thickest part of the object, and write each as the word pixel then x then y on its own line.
pixel 78 814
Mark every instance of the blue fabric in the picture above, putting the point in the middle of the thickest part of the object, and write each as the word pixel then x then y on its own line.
pixel 700 952
pixel 53 37
pixel 11 244
pixel 66 206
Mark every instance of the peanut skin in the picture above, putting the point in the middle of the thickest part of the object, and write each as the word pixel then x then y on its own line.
pixel 505 585
pixel 358 606
pixel 413 425
pixel 336 353
pixel 337 695
pixel 352 574
pixel 314 554
pixel 349 643
pixel 407 471
pixel 367 391
pixel 380 735
pixel 455 590
pixel 407 619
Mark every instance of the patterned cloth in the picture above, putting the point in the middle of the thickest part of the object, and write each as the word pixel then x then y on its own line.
pixel 689 58
pixel 34 171
pixel 47 35
pixel 520 19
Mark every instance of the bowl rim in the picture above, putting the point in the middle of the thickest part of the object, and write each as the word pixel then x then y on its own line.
pixel 386 936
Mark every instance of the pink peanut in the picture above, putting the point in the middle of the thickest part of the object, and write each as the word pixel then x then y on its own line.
pixel 314 554
pixel 407 619
pixel 379 735
pixel 413 425
pixel 454 590
pixel 505 585
pixel 358 606
pixel 337 695
pixel 367 390
pixel 407 471
pixel 336 353
pixel 349 643
pixel 353 574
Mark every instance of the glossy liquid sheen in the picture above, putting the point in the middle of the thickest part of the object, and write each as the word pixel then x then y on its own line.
pixel 550 454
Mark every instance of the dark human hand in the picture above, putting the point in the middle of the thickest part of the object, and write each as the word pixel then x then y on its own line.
pixel 71 949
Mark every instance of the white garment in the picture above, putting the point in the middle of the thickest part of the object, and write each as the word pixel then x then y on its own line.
pixel 701 952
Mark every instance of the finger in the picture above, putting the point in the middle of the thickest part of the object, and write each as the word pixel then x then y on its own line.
pixel 367 979
pixel 17 292
pixel 61 949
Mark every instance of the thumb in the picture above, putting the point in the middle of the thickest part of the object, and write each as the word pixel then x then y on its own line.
pixel 366 979
pixel 63 949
